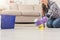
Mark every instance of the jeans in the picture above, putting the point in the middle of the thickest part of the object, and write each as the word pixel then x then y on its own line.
pixel 53 23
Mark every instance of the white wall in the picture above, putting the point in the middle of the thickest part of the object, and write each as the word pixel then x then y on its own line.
pixel 27 2
pixel 4 4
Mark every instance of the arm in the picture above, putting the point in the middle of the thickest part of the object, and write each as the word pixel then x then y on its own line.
pixel 52 11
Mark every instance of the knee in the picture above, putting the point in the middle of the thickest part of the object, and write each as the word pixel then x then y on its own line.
pixel 49 24
pixel 56 23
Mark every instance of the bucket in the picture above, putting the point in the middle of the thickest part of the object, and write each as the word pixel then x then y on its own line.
pixel 7 21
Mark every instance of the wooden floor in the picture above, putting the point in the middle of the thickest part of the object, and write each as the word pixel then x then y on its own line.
pixel 25 25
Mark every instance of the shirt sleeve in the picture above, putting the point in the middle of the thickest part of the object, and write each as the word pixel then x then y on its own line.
pixel 53 10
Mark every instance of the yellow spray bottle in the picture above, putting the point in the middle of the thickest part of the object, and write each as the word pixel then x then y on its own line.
pixel 41 27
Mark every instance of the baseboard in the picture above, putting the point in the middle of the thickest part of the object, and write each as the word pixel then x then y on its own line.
pixel 24 22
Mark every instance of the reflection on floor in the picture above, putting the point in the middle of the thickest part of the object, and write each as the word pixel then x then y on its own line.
pixel 22 33
pixel 30 33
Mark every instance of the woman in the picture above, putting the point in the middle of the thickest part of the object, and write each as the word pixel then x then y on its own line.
pixel 53 14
